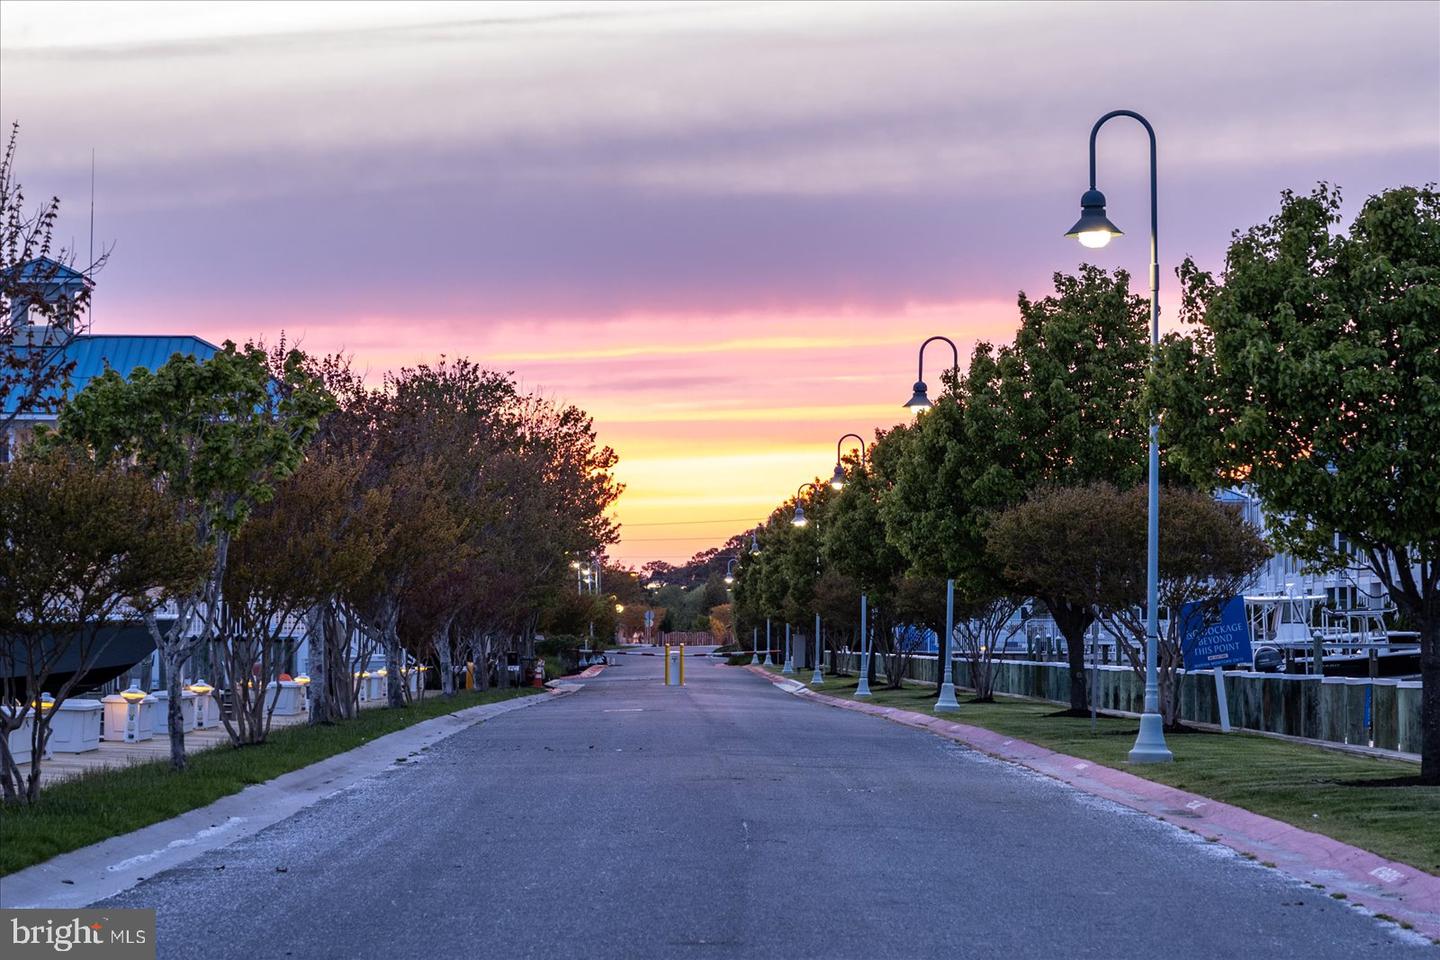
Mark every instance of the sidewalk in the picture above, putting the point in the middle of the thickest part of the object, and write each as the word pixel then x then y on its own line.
pixel 1396 890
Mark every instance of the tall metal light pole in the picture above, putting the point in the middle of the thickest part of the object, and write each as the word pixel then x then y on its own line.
pixel 920 397
pixel 755 657
pixel 947 702
pixel 768 662
pixel 817 678
pixel 789 655
pixel 863 689
pixel 1095 230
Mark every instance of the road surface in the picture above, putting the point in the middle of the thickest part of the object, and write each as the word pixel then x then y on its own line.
pixel 728 819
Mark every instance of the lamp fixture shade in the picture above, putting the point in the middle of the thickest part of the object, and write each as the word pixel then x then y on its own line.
pixel 837 479
pixel 799 519
pixel 920 399
pixel 729 579
pixel 1094 229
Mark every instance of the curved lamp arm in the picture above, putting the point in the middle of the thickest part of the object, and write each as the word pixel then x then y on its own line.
pixel 837 480
pixel 920 398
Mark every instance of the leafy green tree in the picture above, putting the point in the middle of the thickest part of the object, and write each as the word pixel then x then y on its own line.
pixel 1312 373
pixel 1060 406
pixel 88 551
pixel 856 546
pixel 215 436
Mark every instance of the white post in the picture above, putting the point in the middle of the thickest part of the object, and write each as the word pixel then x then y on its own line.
pixel 789 653
pixel 1221 701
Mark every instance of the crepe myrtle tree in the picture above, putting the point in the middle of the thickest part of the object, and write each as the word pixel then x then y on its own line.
pixel 1210 555
pixel 216 436
pixel 1084 546
pixel 1311 372
pixel 89 550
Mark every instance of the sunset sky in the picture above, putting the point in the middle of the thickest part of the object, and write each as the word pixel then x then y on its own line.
pixel 722 228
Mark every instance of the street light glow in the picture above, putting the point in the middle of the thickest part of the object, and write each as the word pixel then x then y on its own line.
pixel 1094 239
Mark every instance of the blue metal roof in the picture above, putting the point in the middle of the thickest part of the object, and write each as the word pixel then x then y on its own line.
pixel 124 353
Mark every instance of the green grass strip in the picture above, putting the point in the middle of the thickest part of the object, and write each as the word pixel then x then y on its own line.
pixel 109 802
pixel 1359 800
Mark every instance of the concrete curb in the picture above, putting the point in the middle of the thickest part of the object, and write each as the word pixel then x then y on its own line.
pixel 1383 886
pixel 112 866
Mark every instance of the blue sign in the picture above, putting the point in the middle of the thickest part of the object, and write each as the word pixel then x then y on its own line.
pixel 1208 642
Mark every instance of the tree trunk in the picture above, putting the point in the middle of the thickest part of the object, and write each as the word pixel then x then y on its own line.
pixel 1073 620
pixel 394 679
pixel 447 673
pixel 174 719
pixel 1430 698
pixel 319 666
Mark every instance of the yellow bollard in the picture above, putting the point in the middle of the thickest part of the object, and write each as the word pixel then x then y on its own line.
pixel 682 664
pixel 667 664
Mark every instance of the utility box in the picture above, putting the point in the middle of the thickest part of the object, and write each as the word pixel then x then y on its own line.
pixel 75 728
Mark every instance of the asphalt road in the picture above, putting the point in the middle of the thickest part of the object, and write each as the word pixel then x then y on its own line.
pixel 729 819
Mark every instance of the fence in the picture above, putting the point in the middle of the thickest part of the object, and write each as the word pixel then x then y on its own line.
pixel 1381 712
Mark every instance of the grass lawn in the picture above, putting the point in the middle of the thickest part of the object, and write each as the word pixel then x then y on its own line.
pixel 108 803
pixel 1319 790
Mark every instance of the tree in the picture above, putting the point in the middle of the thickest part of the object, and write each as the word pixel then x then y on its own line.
pixel 89 550
pixel 317 538
pixel 857 547
pixel 1086 546
pixel 43 300
pixel 1312 373
pixel 1061 406
pixel 216 436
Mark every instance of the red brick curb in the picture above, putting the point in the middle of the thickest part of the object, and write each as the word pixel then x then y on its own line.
pixel 1383 886
pixel 585 674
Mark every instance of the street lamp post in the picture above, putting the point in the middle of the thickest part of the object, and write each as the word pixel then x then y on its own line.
pixel 863 689
pixel 837 479
pixel 947 703
pixel 920 397
pixel 1095 230
pixel 789 654
pixel 817 678
pixel 755 657
pixel 768 662
pixel 730 571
